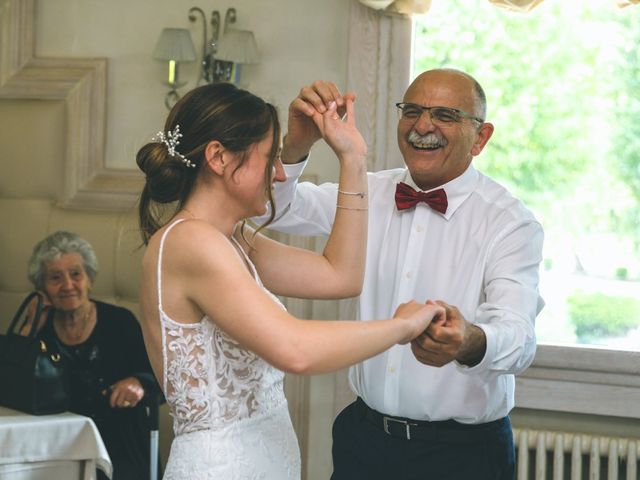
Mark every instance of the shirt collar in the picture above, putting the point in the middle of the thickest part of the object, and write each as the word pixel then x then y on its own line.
pixel 457 189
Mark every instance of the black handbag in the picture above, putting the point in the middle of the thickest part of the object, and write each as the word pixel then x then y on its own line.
pixel 32 376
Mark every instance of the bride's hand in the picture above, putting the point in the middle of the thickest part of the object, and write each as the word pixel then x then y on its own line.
pixel 342 135
pixel 418 316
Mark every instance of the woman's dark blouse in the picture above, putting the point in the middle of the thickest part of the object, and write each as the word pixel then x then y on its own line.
pixel 114 351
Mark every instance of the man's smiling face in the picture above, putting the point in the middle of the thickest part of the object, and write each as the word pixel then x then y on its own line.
pixel 436 153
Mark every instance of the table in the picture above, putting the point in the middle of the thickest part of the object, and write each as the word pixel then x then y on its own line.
pixel 64 446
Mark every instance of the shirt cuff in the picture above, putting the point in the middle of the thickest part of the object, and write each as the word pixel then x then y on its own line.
pixel 294 170
pixel 489 353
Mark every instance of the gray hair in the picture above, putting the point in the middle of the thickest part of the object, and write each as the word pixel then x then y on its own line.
pixel 52 248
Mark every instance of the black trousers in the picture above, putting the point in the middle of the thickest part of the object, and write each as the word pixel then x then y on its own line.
pixel 363 451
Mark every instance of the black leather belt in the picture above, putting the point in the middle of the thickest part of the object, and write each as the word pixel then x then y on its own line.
pixel 448 431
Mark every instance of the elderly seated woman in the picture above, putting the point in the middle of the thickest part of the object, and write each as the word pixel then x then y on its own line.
pixel 105 358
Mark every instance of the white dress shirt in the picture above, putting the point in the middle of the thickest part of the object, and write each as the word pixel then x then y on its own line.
pixel 482 256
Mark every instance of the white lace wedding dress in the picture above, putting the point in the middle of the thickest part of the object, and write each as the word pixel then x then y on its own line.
pixel 230 416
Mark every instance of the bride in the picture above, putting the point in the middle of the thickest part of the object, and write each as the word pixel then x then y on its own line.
pixel 218 338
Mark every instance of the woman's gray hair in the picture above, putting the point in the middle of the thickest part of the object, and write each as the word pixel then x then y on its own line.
pixel 53 247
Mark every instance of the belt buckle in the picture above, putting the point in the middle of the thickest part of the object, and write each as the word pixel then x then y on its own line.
pixel 385 424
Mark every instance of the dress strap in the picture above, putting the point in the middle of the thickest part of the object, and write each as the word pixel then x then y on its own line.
pixel 160 251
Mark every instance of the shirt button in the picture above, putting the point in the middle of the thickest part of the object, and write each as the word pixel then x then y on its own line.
pixel 392 369
pixel 419 229
pixel 408 274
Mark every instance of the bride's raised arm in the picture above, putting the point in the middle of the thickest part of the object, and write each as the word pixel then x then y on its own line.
pixel 338 271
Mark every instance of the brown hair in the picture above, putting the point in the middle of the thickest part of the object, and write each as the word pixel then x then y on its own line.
pixel 236 118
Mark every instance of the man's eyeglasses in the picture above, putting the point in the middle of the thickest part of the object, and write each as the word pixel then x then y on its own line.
pixel 439 115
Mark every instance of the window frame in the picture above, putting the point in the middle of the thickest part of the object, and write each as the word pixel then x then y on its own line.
pixel 577 379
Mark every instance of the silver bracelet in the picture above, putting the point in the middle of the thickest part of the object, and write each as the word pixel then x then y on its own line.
pixel 352 208
pixel 357 194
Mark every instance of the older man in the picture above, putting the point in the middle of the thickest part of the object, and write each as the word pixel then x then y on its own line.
pixel 438 229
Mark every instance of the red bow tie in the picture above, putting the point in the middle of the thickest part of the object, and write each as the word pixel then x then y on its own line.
pixel 407 197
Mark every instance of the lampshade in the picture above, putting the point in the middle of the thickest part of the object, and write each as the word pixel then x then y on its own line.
pixel 376 4
pixel 238 46
pixel 175 44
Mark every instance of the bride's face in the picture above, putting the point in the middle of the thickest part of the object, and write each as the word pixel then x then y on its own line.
pixel 254 179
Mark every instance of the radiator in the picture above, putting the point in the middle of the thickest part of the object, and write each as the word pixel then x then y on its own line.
pixel 546 455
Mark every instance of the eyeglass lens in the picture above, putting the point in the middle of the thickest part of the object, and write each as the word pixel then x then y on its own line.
pixel 442 115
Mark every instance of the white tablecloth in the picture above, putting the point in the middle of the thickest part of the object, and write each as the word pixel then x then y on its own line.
pixel 50 447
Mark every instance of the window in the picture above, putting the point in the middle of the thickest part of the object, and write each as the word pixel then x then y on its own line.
pixel 563 89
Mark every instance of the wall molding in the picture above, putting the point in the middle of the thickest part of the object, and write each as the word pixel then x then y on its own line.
pixel 81 84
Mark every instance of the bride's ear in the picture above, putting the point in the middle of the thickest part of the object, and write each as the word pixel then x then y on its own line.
pixel 215 158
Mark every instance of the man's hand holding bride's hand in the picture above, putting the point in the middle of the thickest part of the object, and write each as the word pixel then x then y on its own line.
pixel 453 339
pixel 302 130
pixel 419 316
pixel 341 134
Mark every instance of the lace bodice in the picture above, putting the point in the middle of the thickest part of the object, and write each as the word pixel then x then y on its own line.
pixel 209 380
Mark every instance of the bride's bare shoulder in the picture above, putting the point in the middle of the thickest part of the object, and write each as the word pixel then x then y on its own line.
pixel 192 241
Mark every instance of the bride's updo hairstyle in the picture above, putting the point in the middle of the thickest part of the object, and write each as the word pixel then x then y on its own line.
pixel 236 118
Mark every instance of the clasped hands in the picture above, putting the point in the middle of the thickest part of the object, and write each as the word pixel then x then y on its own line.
pixel 321 111
pixel 448 337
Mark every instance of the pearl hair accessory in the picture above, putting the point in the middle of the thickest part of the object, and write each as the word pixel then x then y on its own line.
pixel 171 140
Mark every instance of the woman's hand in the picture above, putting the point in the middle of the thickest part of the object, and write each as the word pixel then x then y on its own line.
pixel 302 131
pixel 419 316
pixel 342 135
pixel 455 339
pixel 126 393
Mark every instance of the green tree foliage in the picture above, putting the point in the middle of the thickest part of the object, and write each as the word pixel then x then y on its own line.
pixel 544 98
pixel 625 150
pixel 594 318
pixel 563 91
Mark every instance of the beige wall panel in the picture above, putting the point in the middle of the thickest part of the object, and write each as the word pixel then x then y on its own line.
pixel 296 48
pixel 25 222
pixel 32 140
pixel 128 258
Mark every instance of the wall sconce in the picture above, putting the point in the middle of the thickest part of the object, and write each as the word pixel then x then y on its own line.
pixel 175 46
pixel 223 54
pixel 237 47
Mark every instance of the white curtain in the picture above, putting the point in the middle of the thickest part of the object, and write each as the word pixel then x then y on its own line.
pixel 378 72
pixel 405 7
